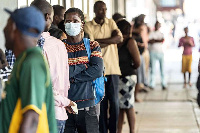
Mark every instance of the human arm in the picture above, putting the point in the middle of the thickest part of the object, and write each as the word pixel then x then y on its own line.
pixel 95 66
pixel 133 49
pixel 144 35
pixel 180 42
pixel 29 122
pixel 33 80
pixel 199 66
pixel 114 39
pixel 151 41
pixel 191 42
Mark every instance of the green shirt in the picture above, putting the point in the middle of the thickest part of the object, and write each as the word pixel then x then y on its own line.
pixel 29 88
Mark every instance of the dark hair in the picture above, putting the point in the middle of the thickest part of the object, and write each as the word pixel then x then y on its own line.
pixel 61 26
pixel 117 16
pixel 138 21
pixel 157 22
pixel 97 3
pixel 58 9
pixel 185 28
pixel 43 6
pixel 76 10
pixel 56 32
pixel 124 27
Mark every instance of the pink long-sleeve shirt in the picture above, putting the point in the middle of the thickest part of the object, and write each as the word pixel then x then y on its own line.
pixel 57 57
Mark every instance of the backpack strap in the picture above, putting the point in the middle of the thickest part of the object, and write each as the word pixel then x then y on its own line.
pixel 87 46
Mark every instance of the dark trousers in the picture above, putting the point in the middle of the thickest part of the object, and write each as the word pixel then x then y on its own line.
pixel 86 121
pixel 111 96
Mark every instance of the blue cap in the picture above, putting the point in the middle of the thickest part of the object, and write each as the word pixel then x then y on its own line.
pixel 28 18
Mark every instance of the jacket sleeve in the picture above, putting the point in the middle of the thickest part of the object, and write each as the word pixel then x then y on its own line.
pixel 95 66
pixel 60 100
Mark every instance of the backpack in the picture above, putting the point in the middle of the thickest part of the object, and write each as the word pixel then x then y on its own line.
pixel 99 83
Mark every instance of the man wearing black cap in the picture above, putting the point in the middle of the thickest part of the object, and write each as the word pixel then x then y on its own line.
pixel 27 105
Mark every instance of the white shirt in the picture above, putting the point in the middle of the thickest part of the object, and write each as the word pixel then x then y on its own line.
pixel 158 46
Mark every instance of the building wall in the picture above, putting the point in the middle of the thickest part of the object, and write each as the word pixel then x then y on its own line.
pixel 130 8
pixel 137 7
pixel 10 4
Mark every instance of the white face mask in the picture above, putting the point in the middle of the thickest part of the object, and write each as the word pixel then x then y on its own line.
pixel 73 29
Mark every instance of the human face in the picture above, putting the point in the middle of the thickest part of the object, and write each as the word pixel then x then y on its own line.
pixel 49 20
pixel 61 17
pixel 157 26
pixel 9 34
pixel 74 18
pixel 101 10
pixel 186 30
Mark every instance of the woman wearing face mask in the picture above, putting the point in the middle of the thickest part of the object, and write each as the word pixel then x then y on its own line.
pixel 82 72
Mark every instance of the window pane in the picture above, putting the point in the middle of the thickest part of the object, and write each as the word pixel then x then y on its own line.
pixel 91 13
pixel 22 3
pixel 109 8
pixel 54 2
pixel 85 6
pixel 68 4
pixel 48 1
pixel 29 2
pixel 78 4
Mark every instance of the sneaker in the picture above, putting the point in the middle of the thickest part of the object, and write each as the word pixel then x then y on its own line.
pixel 151 88
pixel 164 88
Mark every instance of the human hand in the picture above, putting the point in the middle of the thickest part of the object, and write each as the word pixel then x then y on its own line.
pixel 69 108
pixel 114 33
pixel 140 44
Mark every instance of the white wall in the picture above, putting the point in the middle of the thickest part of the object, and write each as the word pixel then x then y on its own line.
pixel 136 7
pixel 10 4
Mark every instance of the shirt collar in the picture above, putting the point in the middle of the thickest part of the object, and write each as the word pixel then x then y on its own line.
pixel 105 21
pixel 40 42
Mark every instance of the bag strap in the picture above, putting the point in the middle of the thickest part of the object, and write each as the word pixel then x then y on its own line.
pixel 87 46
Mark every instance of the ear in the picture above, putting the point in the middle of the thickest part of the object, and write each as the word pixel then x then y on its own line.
pixel 83 23
pixel 14 30
pixel 14 27
pixel 46 16
pixel 55 17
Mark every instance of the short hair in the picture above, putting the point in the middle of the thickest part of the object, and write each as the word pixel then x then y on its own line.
pixel 76 10
pixel 124 27
pixel 58 9
pixel 117 17
pixel 56 32
pixel 62 26
pixel 185 28
pixel 97 3
pixel 43 6
pixel 157 22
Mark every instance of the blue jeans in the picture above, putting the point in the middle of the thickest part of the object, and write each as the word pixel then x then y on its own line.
pixel 60 126
pixel 86 121
pixel 156 56
pixel 111 96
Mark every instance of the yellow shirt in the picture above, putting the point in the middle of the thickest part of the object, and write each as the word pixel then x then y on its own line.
pixel 110 52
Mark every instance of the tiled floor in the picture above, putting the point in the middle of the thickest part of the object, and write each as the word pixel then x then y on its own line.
pixel 171 111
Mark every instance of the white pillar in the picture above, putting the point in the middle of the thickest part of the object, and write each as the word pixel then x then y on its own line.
pixel 12 5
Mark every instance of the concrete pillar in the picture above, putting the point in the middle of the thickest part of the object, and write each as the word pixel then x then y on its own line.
pixel 12 5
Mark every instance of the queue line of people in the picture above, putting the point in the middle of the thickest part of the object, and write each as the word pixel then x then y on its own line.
pixel 59 69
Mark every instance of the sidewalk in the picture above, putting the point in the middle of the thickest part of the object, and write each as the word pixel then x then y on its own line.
pixel 171 111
